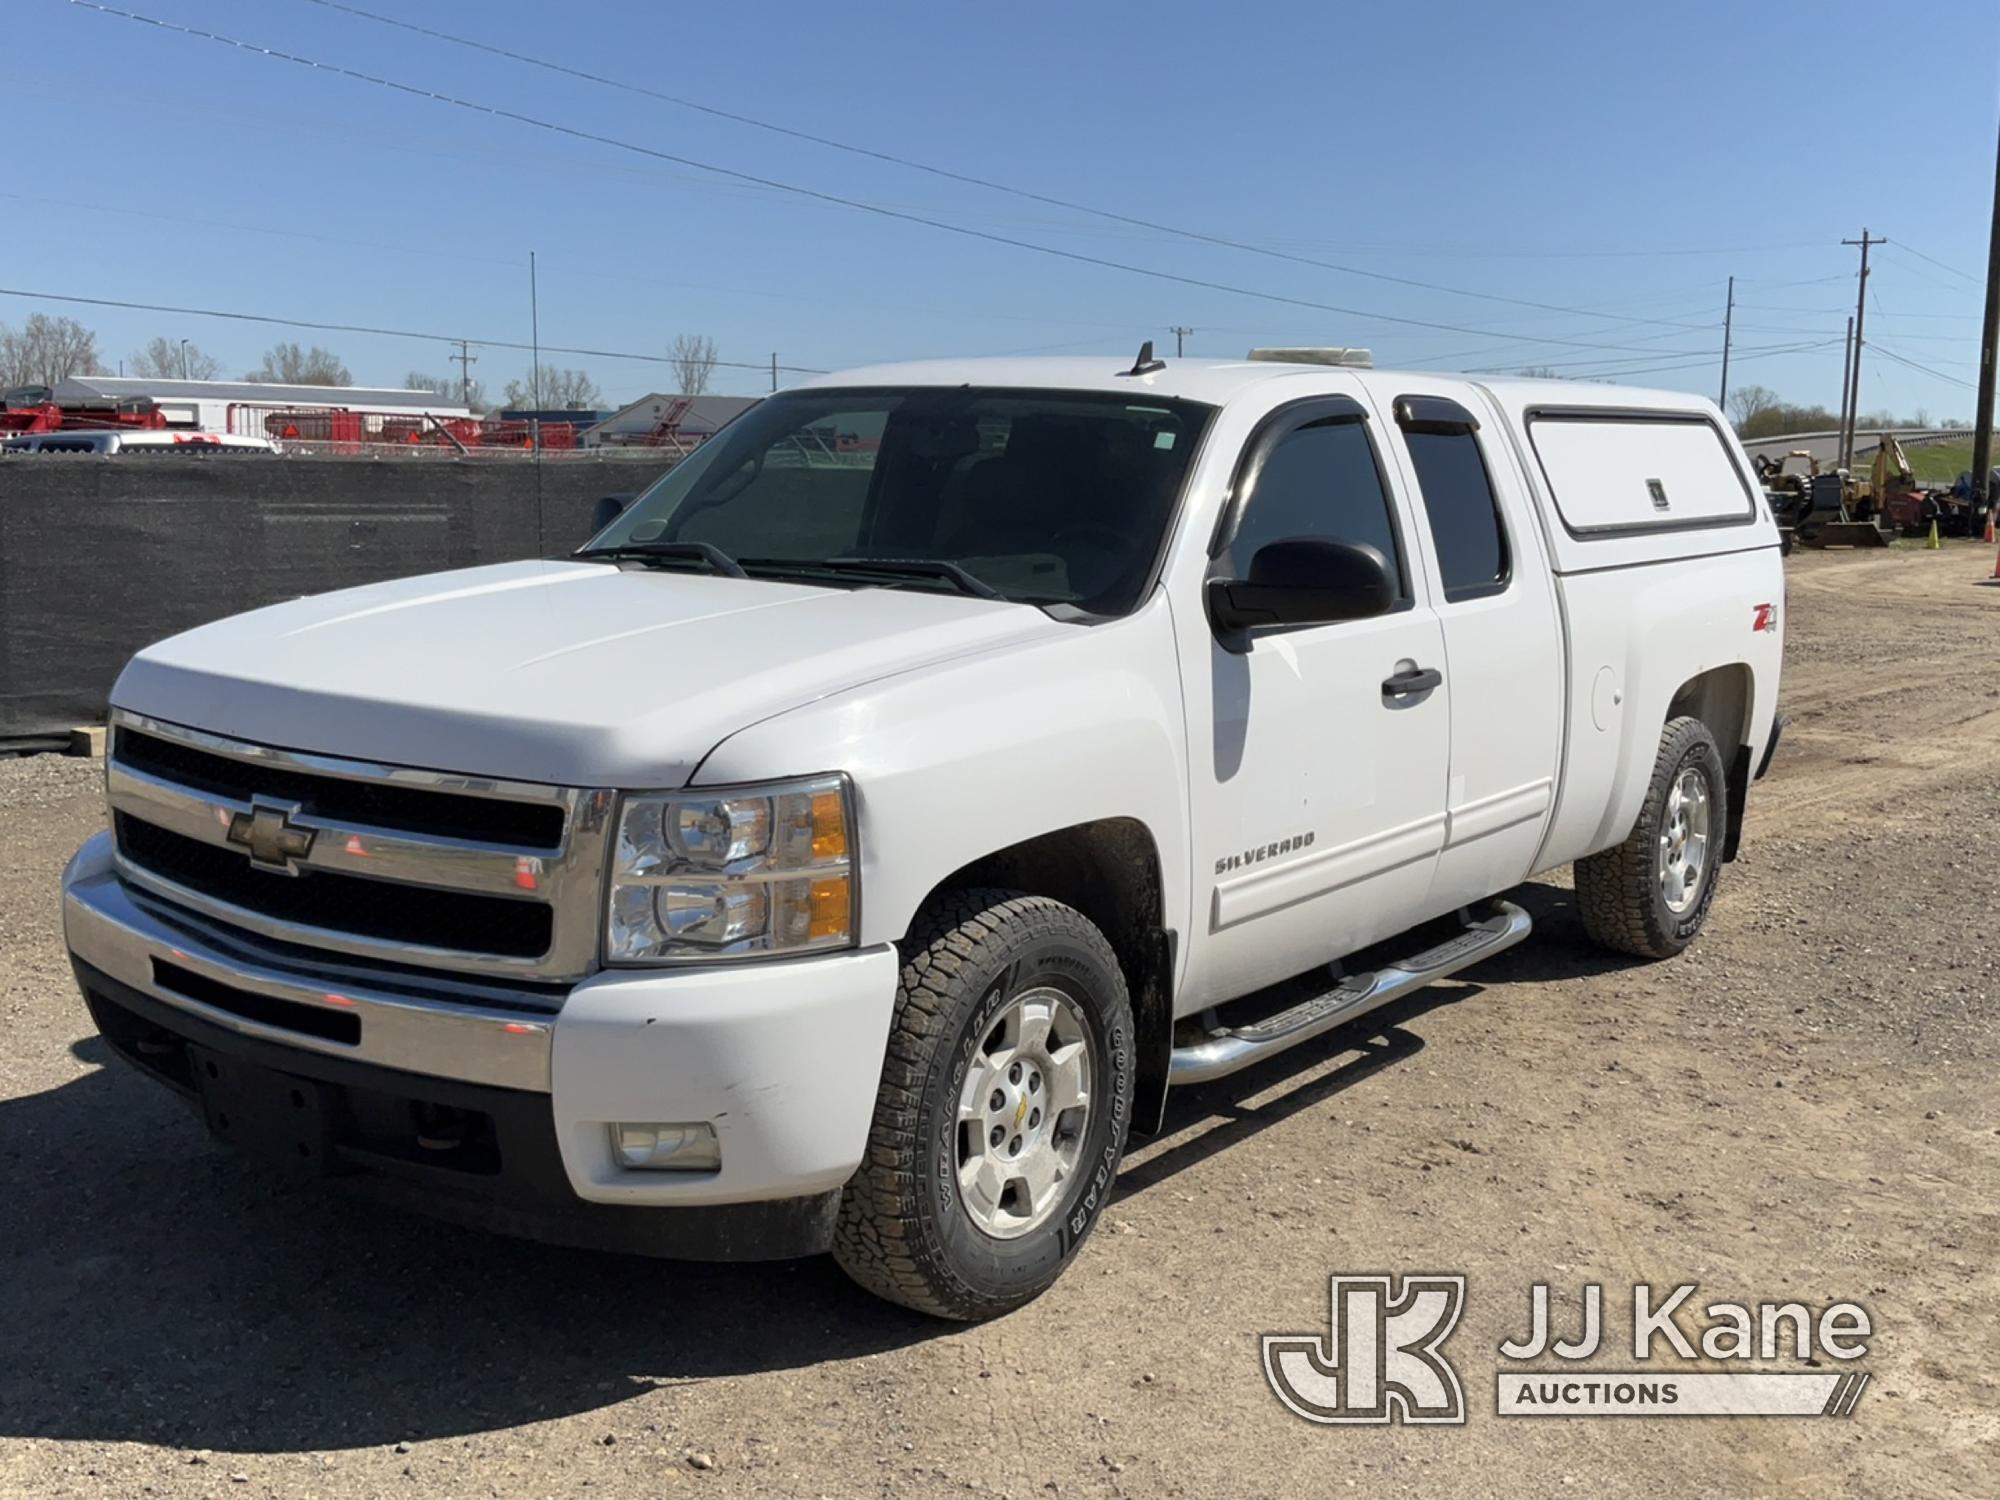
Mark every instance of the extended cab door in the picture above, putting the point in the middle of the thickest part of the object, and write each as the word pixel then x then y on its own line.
pixel 1318 780
pixel 1503 656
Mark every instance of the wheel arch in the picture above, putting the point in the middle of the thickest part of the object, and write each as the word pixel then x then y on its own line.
pixel 1724 699
pixel 1109 870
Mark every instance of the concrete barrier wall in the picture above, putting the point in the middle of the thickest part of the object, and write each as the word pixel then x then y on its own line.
pixel 101 556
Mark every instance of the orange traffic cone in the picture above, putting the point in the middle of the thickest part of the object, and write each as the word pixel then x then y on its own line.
pixel 1989 528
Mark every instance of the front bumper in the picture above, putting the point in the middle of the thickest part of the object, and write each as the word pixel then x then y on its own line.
pixel 783 1059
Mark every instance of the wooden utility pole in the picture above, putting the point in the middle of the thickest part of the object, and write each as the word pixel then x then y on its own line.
pixel 1860 321
pixel 1989 334
pixel 1728 317
pixel 1846 375
pixel 465 359
pixel 774 369
pixel 1179 334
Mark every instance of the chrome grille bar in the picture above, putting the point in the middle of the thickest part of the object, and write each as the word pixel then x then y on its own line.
pixel 349 848
pixel 286 836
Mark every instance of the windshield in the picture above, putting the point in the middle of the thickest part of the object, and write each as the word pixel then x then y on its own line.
pixel 1042 497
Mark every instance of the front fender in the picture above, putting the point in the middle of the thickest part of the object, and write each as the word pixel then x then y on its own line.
pixel 955 761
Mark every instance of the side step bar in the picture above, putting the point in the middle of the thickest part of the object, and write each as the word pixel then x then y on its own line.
pixel 1225 1051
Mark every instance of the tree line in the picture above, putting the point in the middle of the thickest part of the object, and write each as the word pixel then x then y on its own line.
pixel 45 351
pixel 1759 412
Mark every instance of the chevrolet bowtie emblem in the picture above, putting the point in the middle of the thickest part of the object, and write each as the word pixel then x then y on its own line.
pixel 274 841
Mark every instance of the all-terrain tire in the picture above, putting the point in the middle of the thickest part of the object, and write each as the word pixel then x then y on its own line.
pixel 1618 890
pixel 903 1231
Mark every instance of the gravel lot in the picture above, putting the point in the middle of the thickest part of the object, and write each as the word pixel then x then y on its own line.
pixel 1803 1106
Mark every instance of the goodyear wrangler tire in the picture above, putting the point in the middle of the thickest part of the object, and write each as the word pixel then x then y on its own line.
pixel 1650 895
pixel 1003 1109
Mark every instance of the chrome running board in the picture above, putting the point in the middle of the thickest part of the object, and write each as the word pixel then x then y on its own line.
pixel 1229 1048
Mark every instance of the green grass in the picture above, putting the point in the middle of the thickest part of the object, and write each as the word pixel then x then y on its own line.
pixel 1937 465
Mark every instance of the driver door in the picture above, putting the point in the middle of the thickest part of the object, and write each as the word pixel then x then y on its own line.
pixel 1319 792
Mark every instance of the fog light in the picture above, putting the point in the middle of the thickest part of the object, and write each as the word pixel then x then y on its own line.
pixel 667 1148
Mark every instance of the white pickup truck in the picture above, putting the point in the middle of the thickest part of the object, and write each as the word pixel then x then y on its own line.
pixel 855 840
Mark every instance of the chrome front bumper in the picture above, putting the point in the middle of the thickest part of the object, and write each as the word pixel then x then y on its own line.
pixel 783 1059
pixel 440 1032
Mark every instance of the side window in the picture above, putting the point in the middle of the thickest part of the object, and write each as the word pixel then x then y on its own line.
pixel 1464 517
pixel 1320 481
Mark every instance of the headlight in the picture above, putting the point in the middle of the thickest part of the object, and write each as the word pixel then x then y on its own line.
pixel 733 872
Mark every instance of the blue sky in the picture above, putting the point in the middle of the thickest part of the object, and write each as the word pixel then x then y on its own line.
pixel 1614 158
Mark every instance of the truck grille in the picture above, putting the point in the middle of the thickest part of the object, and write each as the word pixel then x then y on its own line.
pixel 378 804
pixel 386 862
pixel 378 909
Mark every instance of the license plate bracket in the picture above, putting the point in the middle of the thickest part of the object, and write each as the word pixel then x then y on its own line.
pixel 275 1118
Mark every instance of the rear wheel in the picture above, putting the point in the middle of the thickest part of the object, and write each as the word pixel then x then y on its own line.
pixel 1651 894
pixel 1003 1109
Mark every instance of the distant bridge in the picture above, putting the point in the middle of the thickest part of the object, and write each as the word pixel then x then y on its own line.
pixel 1825 446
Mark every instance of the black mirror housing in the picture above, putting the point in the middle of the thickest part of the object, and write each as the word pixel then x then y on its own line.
pixel 608 509
pixel 1303 581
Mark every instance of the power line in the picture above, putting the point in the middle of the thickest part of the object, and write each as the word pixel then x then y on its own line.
pixel 1909 249
pixel 1130 220
pixel 815 194
pixel 1704 357
pixel 1520 349
pixel 1709 361
pixel 1776 286
pixel 462 257
pixel 394 333
pixel 1844 311
pixel 1879 348
pixel 1912 267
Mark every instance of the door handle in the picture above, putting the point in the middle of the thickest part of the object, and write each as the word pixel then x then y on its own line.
pixel 1415 680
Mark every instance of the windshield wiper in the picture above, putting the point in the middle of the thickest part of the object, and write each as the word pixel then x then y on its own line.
pixel 887 567
pixel 706 552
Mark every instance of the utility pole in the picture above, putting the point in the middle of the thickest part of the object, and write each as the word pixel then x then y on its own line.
pixel 1846 374
pixel 535 334
pixel 1728 318
pixel 774 371
pixel 1860 320
pixel 1179 334
pixel 1989 334
pixel 465 359
pixel 184 359
pixel 535 421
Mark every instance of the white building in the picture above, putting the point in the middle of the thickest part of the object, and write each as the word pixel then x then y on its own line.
pixel 244 406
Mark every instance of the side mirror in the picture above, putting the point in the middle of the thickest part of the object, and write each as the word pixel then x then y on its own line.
pixel 1303 581
pixel 607 510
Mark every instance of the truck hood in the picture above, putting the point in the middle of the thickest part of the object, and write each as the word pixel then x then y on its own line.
pixel 576 674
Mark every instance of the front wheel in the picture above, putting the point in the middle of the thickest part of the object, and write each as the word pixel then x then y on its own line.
pixel 1003 1108
pixel 1650 894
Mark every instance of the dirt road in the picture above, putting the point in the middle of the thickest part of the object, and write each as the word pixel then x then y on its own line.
pixel 1803 1106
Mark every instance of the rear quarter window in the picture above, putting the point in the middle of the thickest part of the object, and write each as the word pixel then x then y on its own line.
pixel 1613 474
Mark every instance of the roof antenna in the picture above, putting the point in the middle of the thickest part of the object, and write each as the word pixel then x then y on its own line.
pixel 1145 364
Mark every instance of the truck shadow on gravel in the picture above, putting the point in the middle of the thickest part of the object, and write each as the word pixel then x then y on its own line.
pixel 156 1289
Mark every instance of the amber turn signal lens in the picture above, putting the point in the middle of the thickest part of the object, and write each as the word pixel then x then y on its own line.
pixel 829 815
pixel 828 908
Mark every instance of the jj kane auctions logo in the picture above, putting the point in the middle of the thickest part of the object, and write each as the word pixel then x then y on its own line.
pixel 1381 1359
